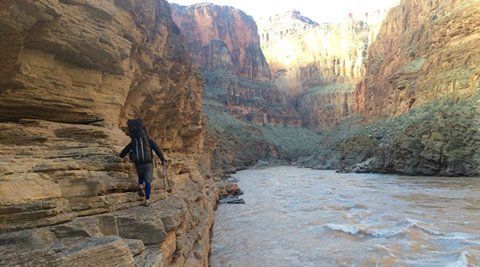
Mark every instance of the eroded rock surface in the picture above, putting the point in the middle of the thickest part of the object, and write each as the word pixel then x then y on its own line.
pixel 124 238
pixel 419 100
pixel 222 37
pixel 425 50
pixel 239 98
pixel 302 53
pixel 318 64
pixel 72 73
pixel 225 46
pixel 433 67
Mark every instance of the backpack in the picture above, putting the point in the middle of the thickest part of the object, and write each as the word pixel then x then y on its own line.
pixel 141 151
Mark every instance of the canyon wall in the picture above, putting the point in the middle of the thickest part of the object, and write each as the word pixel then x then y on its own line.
pixel 240 102
pixel 426 50
pixel 419 98
pixel 303 54
pixel 427 58
pixel 224 44
pixel 72 73
pixel 318 64
pixel 222 37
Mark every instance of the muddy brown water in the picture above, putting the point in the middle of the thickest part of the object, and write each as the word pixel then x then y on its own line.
pixel 303 217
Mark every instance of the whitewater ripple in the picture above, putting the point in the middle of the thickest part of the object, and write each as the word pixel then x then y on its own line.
pixel 402 227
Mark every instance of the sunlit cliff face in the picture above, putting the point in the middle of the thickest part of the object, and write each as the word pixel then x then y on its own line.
pixel 302 53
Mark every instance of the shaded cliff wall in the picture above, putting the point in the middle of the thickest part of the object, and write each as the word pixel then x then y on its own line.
pixel 419 100
pixel 225 46
pixel 322 107
pixel 72 73
pixel 222 37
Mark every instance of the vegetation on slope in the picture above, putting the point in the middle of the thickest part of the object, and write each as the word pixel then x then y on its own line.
pixel 238 144
pixel 438 138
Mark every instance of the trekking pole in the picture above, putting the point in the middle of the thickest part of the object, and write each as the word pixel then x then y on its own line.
pixel 169 190
pixel 154 167
pixel 164 183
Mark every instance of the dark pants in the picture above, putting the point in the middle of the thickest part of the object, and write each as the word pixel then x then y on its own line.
pixel 145 176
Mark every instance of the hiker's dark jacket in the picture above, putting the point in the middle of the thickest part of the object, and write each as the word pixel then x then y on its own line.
pixel 153 146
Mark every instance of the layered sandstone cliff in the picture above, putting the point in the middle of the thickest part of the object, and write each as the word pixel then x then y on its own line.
pixel 426 58
pixel 310 61
pixel 222 37
pixel 72 73
pixel 426 50
pixel 419 97
pixel 302 53
pixel 225 46
pixel 241 104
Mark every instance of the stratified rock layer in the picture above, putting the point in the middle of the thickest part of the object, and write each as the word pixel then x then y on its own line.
pixel 307 60
pixel 425 50
pixel 303 54
pixel 322 107
pixel 72 73
pixel 225 46
pixel 427 57
pixel 222 37
pixel 240 102
pixel 420 98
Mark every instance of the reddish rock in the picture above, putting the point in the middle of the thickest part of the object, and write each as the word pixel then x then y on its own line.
pixel 238 94
pixel 228 189
pixel 222 36
pixel 225 45
pixel 425 50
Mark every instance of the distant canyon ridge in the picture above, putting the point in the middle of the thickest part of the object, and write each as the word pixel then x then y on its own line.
pixel 304 72
pixel 381 89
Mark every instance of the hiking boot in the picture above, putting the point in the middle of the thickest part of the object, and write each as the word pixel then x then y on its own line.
pixel 140 191
pixel 147 202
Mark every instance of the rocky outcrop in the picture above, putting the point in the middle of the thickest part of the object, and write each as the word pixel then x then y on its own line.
pixel 239 99
pixel 432 140
pixel 420 98
pixel 426 58
pixel 308 60
pixel 72 73
pixel 445 143
pixel 256 102
pixel 425 50
pixel 322 107
pixel 141 236
pixel 222 37
pixel 225 46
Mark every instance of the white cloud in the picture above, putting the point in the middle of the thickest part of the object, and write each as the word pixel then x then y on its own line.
pixel 318 10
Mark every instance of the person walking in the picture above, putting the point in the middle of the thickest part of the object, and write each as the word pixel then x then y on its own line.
pixel 140 152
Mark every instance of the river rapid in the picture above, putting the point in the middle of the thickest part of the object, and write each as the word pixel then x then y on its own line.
pixel 302 217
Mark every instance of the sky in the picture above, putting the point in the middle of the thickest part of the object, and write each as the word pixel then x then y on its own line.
pixel 318 10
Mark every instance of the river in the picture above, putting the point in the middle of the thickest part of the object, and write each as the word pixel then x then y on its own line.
pixel 302 217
